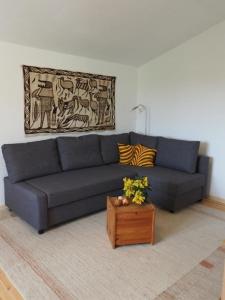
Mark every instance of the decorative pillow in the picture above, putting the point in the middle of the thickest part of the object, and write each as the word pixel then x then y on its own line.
pixel 143 156
pixel 126 153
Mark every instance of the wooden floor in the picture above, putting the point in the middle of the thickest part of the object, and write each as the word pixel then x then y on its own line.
pixel 214 204
pixel 7 290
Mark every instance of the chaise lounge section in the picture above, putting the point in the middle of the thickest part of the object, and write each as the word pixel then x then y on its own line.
pixel 53 181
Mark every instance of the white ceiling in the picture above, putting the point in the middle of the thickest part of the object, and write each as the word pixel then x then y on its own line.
pixel 126 31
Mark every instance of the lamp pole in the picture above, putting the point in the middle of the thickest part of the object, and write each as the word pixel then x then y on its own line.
pixel 142 108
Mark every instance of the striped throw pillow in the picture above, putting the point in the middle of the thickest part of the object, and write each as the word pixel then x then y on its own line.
pixel 126 153
pixel 143 156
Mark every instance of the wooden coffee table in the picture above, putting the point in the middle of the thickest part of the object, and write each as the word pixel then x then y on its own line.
pixel 130 224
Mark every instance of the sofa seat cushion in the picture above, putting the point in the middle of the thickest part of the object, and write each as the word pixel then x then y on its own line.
pixel 168 181
pixel 75 185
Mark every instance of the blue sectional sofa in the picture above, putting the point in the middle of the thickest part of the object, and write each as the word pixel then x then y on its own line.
pixel 52 181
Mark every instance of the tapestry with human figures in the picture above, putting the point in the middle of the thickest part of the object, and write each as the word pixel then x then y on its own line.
pixel 65 101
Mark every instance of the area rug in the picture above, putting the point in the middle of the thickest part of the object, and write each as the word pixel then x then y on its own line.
pixel 76 261
pixel 203 282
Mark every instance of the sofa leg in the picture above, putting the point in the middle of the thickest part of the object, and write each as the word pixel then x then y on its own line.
pixel 41 231
pixel 172 211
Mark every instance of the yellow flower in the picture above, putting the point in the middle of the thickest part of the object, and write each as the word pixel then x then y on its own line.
pixel 138 183
pixel 145 181
pixel 128 187
pixel 139 198
pixel 127 182
pixel 141 185
pixel 135 188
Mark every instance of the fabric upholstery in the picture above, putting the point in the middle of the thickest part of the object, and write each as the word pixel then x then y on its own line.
pixel 177 154
pixel 49 196
pixel 203 168
pixel 73 210
pixel 27 202
pixel 79 152
pixel 145 140
pixel 172 182
pixel 175 203
pixel 109 146
pixel 74 185
pixel 126 153
pixel 143 156
pixel 168 181
pixel 29 160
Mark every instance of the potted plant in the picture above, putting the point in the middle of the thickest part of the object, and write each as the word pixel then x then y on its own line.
pixel 136 189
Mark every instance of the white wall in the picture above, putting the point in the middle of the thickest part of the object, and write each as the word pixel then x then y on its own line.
pixel 185 92
pixel 12 96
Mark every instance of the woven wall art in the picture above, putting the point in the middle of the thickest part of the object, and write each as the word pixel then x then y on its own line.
pixel 65 101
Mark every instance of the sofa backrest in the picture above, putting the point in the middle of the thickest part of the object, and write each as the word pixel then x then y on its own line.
pixel 177 154
pixel 29 160
pixel 145 140
pixel 79 152
pixel 35 159
pixel 109 146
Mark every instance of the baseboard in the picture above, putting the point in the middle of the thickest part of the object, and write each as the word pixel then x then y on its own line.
pixel 215 202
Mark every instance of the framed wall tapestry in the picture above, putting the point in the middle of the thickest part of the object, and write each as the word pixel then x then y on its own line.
pixel 65 101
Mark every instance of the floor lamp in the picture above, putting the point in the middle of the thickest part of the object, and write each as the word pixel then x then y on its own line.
pixel 142 109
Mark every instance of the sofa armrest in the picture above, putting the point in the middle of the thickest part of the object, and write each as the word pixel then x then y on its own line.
pixel 203 168
pixel 27 202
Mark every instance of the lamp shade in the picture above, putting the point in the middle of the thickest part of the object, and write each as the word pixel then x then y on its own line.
pixel 139 107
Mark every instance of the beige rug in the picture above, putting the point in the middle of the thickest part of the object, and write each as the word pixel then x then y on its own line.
pixel 202 282
pixel 76 261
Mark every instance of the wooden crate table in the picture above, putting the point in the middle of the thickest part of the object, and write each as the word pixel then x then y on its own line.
pixel 130 224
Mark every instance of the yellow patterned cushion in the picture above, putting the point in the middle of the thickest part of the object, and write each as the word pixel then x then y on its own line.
pixel 126 153
pixel 143 156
